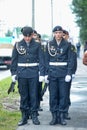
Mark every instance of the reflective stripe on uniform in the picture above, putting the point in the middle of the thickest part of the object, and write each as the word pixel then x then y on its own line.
pixel 57 63
pixel 28 64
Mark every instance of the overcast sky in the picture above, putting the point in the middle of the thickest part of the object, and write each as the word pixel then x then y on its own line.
pixel 19 13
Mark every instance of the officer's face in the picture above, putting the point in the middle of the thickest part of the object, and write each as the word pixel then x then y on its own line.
pixel 65 36
pixel 58 35
pixel 28 38
pixel 35 36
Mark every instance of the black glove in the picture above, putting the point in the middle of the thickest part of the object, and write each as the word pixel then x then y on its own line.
pixel 11 88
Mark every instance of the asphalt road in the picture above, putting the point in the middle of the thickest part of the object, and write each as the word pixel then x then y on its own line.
pixel 4 73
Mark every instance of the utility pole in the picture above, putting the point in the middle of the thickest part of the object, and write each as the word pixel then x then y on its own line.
pixel 52 14
pixel 33 14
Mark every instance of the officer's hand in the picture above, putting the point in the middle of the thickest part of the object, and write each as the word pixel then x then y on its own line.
pixel 46 79
pixel 73 76
pixel 14 78
pixel 67 78
pixel 41 78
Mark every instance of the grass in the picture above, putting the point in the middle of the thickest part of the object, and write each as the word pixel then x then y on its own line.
pixel 8 118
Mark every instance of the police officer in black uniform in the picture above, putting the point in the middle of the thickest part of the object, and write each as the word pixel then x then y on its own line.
pixel 28 66
pixel 74 57
pixel 58 73
pixel 37 38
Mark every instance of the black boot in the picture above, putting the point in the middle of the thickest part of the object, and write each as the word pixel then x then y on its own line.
pixel 23 120
pixel 54 119
pixel 35 118
pixel 62 120
pixel 28 114
pixel 66 116
pixel 40 109
pixel 58 117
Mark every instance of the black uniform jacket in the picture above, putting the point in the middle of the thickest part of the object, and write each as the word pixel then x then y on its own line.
pixel 58 55
pixel 74 56
pixel 23 58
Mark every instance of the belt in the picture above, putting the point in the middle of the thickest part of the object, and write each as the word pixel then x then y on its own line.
pixel 58 63
pixel 28 64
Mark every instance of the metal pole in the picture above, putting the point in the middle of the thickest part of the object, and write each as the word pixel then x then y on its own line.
pixel 51 14
pixel 33 14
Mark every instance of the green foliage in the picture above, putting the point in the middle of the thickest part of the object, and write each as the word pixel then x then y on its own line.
pixel 4 85
pixel 45 37
pixel 8 34
pixel 8 118
pixel 18 31
pixel 79 8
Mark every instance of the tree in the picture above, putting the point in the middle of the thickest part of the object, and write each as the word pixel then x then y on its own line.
pixel 79 8
pixel 8 33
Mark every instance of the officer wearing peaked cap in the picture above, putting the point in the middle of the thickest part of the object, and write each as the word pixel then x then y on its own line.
pixel 37 38
pixel 57 28
pixel 74 57
pixel 27 31
pixel 58 73
pixel 27 62
pixel 35 34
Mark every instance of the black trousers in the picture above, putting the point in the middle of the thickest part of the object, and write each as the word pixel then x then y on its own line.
pixel 28 91
pixel 58 94
pixel 39 93
pixel 68 101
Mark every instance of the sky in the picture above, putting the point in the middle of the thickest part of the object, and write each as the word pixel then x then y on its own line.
pixel 15 13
